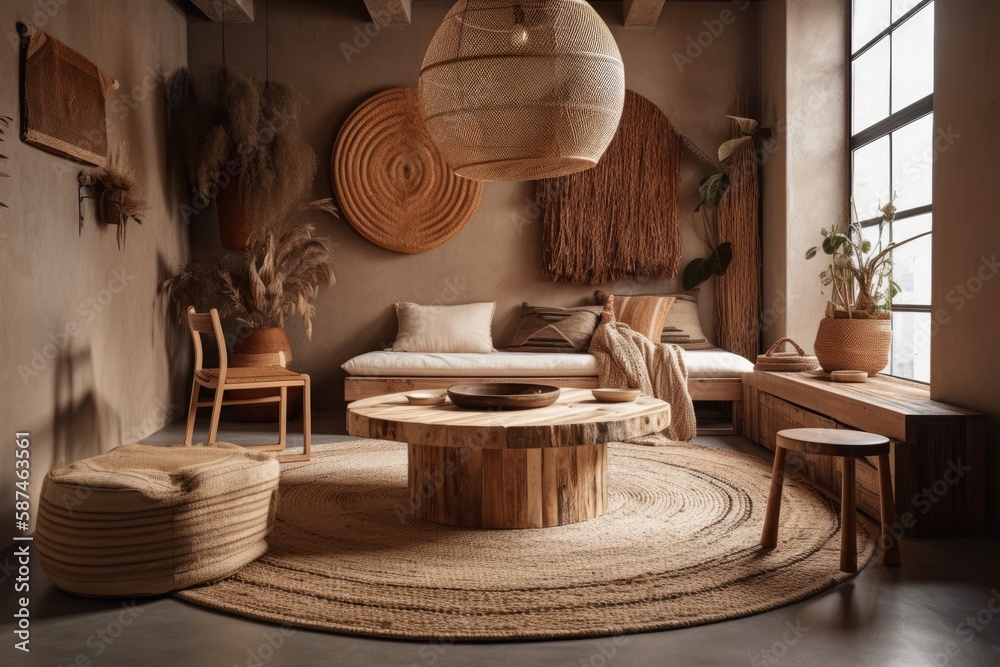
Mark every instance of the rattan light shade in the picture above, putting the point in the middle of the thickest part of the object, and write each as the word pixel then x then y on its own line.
pixel 515 91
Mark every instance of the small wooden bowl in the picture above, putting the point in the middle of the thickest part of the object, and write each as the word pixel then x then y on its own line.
pixel 849 376
pixel 425 398
pixel 616 395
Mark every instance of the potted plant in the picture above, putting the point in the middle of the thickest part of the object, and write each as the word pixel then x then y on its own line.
pixel 277 277
pixel 244 147
pixel 856 333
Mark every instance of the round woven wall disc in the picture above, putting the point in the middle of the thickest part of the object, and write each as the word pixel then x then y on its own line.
pixel 393 185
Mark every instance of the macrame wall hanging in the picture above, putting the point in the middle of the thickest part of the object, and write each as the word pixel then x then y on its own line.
pixel 619 219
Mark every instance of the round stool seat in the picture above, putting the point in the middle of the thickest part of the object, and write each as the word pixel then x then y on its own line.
pixel 142 520
pixel 832 442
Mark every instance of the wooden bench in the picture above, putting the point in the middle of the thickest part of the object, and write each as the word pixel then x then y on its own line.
pixel 937 451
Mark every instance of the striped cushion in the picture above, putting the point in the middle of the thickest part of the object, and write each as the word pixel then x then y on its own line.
pixel 645 314
pixel 550 329
pixel 143 520
pixel 683 326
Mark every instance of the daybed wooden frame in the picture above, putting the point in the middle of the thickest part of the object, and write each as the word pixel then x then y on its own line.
pixel 728 390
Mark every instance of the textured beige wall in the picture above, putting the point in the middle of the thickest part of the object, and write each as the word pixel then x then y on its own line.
pixel 806 174
pixel 112 378
pixel 965 362
pixel 497 256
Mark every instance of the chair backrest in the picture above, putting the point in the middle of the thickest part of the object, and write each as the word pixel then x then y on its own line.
pixel 207 323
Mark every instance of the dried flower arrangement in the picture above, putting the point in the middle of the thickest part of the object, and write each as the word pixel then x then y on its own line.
pixel 116 191
pixel 277 277
pixel 246 130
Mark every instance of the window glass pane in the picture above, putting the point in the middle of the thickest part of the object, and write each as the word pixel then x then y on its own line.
pixel 871 187
pixel 911 346
pixel 899 7
pixel 913 59
pixel 870 18
pixel 912 163
pixel 870 86
pixel 911 263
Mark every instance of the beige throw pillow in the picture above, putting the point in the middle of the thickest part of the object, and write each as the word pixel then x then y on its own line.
pixel 552 329
pixel 460 328
pixel 683 326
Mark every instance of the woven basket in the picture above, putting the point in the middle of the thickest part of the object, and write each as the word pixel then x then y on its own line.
pixel 844 344
pixel 786 362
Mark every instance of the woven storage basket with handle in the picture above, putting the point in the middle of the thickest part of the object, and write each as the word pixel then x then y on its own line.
pixel 786 362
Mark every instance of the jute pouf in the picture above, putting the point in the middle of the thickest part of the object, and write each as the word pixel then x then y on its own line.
pixel 678 546
pixel 392 183
pixel 143 520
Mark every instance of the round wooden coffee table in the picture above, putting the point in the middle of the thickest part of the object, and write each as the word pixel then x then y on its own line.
pixel 507 469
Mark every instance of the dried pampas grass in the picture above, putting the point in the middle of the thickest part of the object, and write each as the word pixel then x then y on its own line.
pixel 116 190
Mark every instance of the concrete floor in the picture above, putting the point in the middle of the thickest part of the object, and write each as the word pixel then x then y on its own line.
pixel 941 608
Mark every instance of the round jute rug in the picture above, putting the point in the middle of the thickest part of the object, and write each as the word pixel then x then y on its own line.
pixel 678 546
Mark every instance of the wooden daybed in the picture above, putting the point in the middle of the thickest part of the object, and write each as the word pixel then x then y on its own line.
pixel 714 375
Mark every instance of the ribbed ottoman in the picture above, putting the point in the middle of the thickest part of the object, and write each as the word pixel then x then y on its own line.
pixel 143 520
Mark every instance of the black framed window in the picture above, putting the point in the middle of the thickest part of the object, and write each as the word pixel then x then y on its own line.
pixel 892 154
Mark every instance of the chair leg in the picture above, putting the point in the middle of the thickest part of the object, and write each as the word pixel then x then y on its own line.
pixel 213 430
pixel 769 536
pixel 890 542
pixel 848 519
pixel 283 417
pixel 306 421
pixel 192 413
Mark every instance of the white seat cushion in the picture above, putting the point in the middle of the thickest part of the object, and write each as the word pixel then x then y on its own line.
pixel 700 363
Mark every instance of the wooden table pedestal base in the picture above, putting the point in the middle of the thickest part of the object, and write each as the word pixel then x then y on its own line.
pixel 508 488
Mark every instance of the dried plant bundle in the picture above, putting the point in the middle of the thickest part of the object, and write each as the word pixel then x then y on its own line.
pixel 738 295
pixel 277 277
pixel 249 128
pixel 116 190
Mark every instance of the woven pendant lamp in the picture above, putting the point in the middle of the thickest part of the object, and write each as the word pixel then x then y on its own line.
pixel 516 91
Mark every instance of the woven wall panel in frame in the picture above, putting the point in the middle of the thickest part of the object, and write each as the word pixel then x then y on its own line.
pixel 63 99
pixel 619 219
pixel 393 184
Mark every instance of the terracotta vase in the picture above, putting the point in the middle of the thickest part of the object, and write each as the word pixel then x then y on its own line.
pixel 235 224
pixel 844 344
pixel 267 346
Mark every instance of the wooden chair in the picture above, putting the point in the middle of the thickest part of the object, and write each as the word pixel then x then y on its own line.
pixel 849 445
pixel 258 377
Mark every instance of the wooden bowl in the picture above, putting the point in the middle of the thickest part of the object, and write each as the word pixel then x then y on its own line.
pixel 502 396
pixel 425 398
pixel 616 395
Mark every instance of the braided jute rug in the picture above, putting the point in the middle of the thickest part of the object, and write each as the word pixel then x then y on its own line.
pixel 678 546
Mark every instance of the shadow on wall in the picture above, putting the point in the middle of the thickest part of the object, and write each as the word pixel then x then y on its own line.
pixel 175 339
pixel 80 416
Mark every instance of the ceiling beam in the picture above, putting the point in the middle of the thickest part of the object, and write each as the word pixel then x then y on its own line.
pixel 642 13
pixel 235 11
pixel 390 12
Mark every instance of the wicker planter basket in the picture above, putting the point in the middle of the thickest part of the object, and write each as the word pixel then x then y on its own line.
pixel 844 344
pixel 267 346
pixel 786 362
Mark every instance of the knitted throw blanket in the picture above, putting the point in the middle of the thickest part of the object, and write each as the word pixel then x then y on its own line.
pixel 626 358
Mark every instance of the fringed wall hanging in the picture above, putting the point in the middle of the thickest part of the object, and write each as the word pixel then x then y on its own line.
pixel 738 294
pixel 619 219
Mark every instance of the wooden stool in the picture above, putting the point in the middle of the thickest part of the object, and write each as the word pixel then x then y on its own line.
pixel 849 445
